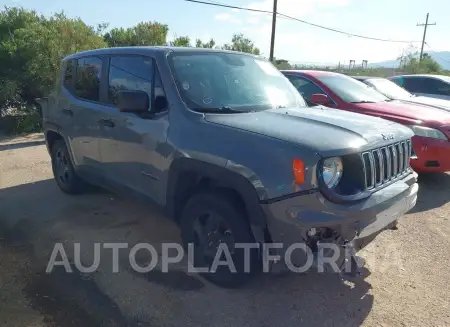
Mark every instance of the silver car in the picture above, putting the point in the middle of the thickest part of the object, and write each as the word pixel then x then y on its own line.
pixel 395 92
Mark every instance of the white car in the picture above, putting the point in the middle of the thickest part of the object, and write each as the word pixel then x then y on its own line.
pixel 433 86
pixel 395 92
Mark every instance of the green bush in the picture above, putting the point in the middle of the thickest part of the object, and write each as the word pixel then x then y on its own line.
pixel 30 123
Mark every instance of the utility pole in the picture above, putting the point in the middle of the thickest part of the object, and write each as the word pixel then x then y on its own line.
pixel 274 23
pixel 424 34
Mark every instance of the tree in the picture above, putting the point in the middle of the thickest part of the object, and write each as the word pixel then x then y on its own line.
pixel 282 64
pixel 144 33
pixel 426 66
pixel 411 63
pixel 243 44
pixel 181 41
pixel 31 47
pixel 210 44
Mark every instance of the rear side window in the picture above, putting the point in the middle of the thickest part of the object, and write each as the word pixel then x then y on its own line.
pixel 415 85
pixel 68 74
pixel 87 83
pixel 129 73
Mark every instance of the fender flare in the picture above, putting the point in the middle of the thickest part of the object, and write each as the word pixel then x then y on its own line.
pixel 222 177
pixel 53 127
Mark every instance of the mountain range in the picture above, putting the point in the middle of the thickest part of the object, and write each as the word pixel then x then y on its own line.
pixel 441 57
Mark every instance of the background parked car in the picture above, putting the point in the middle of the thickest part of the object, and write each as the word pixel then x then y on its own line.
pixel 433 86
pixel 431 127
pixel 395 92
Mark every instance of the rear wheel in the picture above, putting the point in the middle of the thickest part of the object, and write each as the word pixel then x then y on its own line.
pixel 63 171
pixel 213 223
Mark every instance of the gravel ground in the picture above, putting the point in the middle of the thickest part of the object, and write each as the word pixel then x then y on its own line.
pixel 405 283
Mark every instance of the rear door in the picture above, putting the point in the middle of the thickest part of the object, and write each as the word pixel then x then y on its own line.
pixel 85 109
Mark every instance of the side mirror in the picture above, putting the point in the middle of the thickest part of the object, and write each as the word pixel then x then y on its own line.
pixel 132 101
pixel 320 99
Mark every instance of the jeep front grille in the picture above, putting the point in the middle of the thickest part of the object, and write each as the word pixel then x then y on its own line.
pixel 385 164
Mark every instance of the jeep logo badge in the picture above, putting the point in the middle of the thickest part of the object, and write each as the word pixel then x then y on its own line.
pixel 387 137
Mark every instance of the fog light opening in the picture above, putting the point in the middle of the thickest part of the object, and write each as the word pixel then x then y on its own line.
pixel 322 235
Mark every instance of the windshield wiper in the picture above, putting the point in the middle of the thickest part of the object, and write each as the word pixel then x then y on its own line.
pixel 364 101
pixel 217 110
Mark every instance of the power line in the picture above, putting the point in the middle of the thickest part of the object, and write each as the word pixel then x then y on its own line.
pixel 434 53
pixel 298 20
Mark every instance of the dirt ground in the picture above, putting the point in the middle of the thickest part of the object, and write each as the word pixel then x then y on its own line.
pixel 406 280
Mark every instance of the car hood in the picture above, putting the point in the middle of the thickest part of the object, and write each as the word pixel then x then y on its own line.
pixel 432 102
pixel 413 113
pixel 326 131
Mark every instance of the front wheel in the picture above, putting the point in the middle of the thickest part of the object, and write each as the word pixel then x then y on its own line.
pixel 214 223
pixel 63 171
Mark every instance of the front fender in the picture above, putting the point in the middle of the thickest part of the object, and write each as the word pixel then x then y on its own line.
pixel 228 176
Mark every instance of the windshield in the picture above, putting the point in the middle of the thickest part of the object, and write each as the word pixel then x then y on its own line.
pixel 389 89
pixel 351 90
pixel 214 81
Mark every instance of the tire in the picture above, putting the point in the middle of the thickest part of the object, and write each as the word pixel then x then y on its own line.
pixel 64 173
pixel 221 204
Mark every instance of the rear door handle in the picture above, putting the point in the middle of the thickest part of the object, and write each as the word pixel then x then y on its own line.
pixel 107 122
pixel 68 112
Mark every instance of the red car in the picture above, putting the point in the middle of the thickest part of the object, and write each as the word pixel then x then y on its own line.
pixel 431 126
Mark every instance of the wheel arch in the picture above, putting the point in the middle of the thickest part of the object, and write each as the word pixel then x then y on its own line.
pixel 187 176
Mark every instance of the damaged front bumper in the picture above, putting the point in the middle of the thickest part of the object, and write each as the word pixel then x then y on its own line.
pixel 314 220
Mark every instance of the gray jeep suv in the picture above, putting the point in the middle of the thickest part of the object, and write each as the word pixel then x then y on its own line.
pixel 224 142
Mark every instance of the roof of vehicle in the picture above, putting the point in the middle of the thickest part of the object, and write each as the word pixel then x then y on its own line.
pixel 363 78
pixel 443 78
pixel 310 72
pixel 147 50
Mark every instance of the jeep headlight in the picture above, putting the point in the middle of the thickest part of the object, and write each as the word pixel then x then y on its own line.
pixel 428 132
pixel 332 169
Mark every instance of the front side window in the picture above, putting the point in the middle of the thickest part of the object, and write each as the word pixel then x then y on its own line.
pixel 417 85
pixel 305 87
pixel 214 81
pixel 87 83
pixel 134 73
pixel 388 88
pixel 160 101
pixel 351 90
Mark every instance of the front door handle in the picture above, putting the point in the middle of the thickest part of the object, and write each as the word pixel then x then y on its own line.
pixel 107 122
pixel 67 111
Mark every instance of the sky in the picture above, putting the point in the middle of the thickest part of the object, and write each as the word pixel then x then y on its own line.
pixel 294 41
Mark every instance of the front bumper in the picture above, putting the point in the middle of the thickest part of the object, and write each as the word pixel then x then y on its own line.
pixel 433 155
pixel 289 220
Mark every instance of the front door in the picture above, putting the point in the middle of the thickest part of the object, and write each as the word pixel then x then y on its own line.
pixel 132 151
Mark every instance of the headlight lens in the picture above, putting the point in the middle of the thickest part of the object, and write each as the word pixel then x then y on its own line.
pixel 428 132
pixel 332 171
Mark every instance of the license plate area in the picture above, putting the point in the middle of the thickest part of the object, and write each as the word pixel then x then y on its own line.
pixel 384 218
